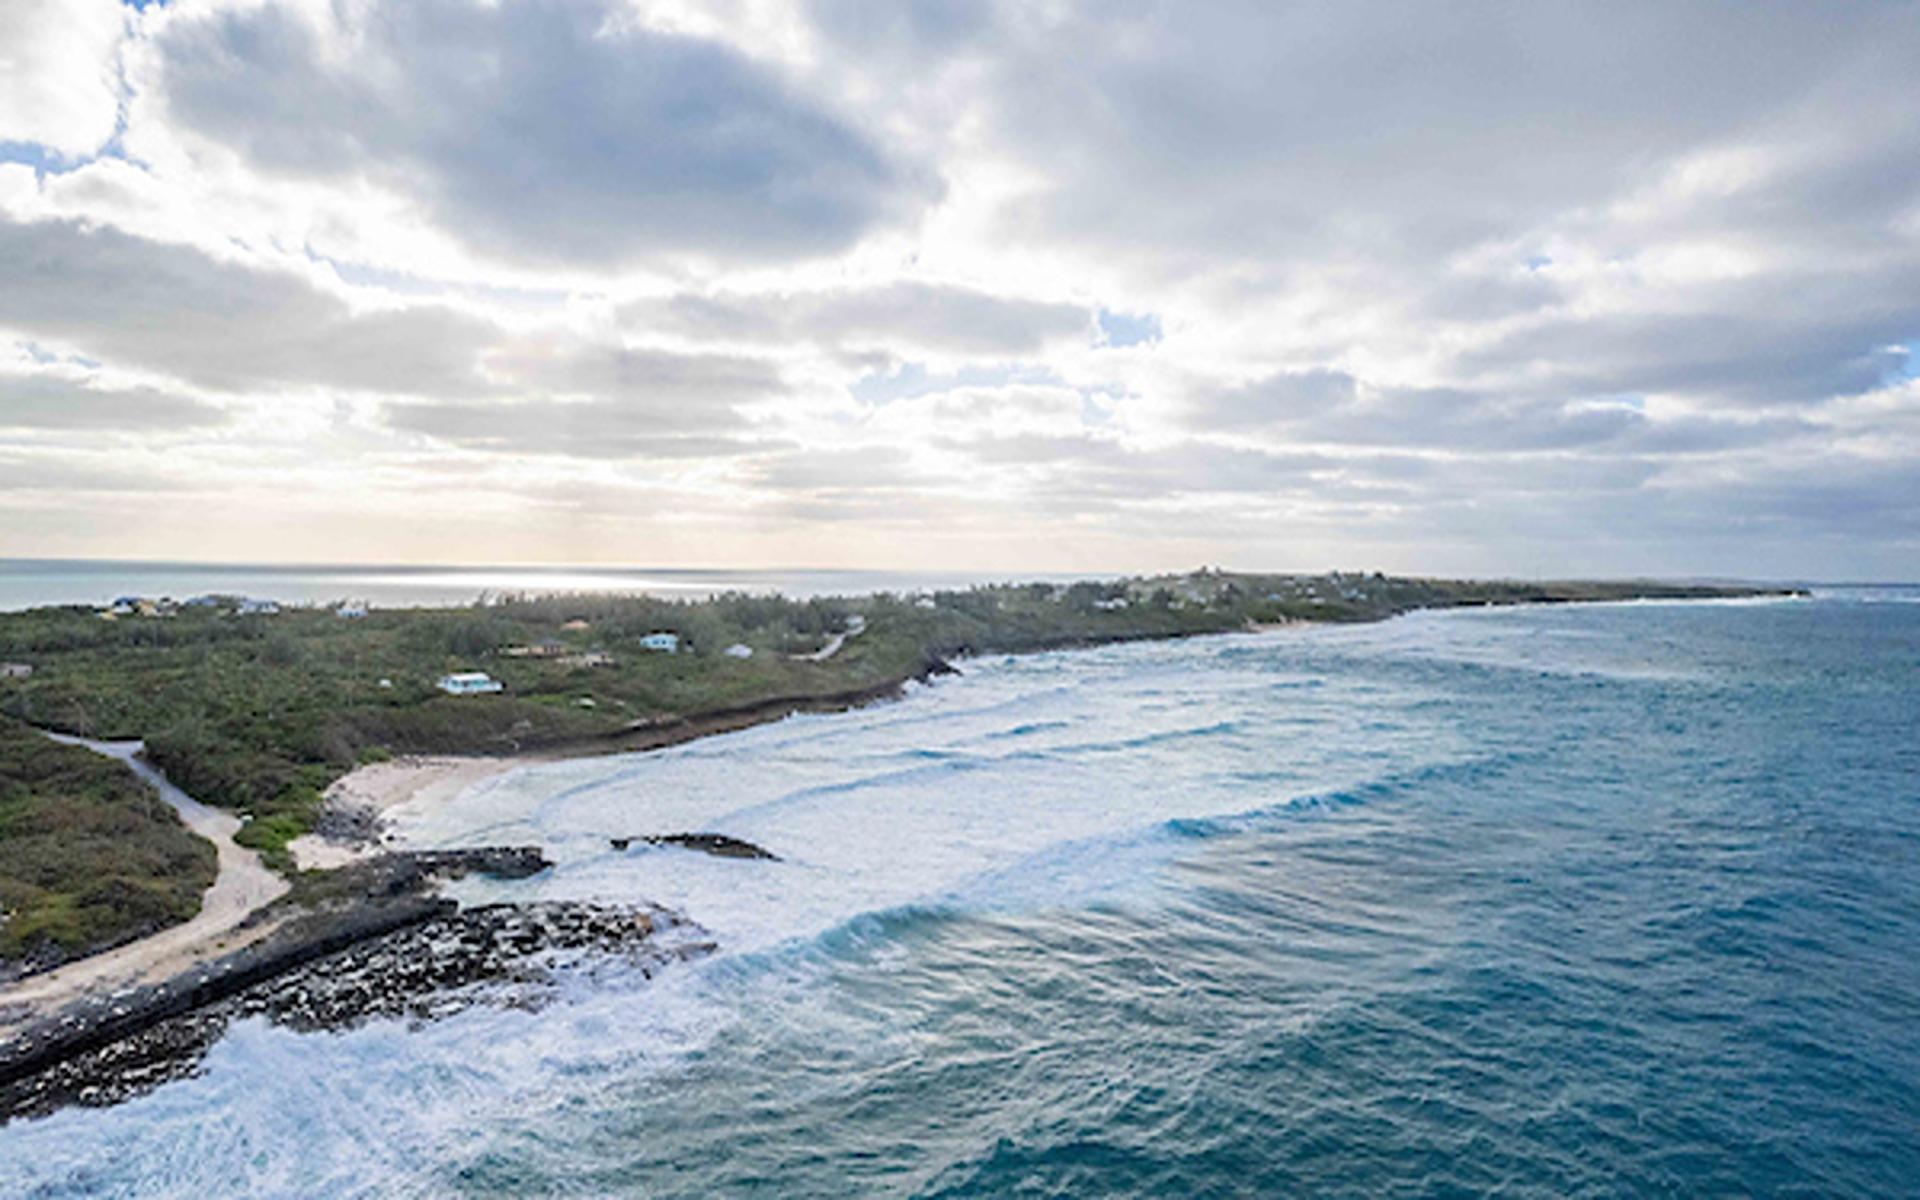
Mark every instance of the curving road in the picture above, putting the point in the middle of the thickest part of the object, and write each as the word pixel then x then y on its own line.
pixel 243 885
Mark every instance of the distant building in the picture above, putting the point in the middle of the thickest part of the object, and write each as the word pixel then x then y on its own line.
pixel 255 608
pixel 665 643
pixel 591 658
pixel 576 625
pixel 546 649
pixel 469 683
pixel 352 610
pixel 15 670
pixel 1113 604
pixel 856 623
pixel 925 602
pixel 738 650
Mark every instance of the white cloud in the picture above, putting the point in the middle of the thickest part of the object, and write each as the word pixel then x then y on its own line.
pixel 59 82
pixel 1119 285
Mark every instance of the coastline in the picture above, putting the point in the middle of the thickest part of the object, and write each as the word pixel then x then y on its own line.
pixel 359 803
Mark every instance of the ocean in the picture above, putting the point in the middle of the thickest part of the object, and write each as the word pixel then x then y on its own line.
pixel 36 582
pixel 1574 901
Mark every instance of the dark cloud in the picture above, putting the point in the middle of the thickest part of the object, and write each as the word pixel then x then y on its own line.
pixel 659 428
pixel 907 314
pixel 1401 130
pixel 662 380
pixel 539 130
pixel 219 324
pixel 51 402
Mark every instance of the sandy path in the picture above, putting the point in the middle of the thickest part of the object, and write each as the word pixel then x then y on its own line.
pixel 831 648
pixel 243 885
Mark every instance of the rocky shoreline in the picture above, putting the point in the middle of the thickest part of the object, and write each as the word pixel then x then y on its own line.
pixel 366 942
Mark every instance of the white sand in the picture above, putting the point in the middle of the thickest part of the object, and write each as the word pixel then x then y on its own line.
pixel 420 781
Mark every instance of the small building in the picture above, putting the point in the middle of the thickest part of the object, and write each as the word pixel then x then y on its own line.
pixel 546 649
pixel 590 658
pixel 577 625
pixel 1111 604
pixel 352 610
pixel 925 602
pixel 469 683
pixel 856 623
pixel 663 643
pixel 738 650
pixel 10 670
pixel 255 608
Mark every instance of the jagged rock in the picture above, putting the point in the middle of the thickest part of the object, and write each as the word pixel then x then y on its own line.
pixel 717 844
pixel 426 968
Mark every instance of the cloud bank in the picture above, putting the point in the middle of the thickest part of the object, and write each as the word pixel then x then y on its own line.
pixel 1077 286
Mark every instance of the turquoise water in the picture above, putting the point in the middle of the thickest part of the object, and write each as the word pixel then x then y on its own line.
pixel 1603 900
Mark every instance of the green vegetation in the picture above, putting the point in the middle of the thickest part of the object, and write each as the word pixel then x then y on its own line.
pixel 89 855
pixel 258 713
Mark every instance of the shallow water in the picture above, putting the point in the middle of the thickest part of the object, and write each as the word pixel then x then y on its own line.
pixel 1597 900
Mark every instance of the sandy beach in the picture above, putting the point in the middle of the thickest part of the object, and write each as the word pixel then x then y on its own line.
pixel 379 788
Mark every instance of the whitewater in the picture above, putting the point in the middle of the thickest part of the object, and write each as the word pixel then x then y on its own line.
pixel 1588 900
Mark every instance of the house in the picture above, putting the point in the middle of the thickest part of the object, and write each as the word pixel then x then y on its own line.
pixel 665 643
pixel 352 610
pixel 468 683
pixel 576 625
pixel 591 658
pixel 15 670
pixel 925 602
pixel 1111 604
pixel 738 650
pixel 546 649
pixel 255 608
pixel 856 623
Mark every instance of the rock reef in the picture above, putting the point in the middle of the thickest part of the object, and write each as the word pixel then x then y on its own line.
pixel 717 844
pixel 368 942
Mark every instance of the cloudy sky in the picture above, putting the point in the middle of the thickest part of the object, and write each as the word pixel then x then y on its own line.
pixel 1046 286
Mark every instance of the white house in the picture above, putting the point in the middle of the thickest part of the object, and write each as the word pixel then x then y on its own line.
pixel 15 670
pixel 255 608
pixel 352 610
pixel 665 643
pixel 856 623
pixel 1111 604
pixel 468 683
pixel 738 650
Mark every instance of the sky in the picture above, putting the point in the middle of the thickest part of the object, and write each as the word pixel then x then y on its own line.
pixel 1053 286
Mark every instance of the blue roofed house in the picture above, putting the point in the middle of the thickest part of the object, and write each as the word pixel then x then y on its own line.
pixel 665 643
pixel 468 683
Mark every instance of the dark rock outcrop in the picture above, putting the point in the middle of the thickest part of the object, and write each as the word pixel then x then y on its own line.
pixel 418 959
pixel 717 844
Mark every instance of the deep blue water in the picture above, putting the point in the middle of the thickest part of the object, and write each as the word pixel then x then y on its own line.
pixel 1607 900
